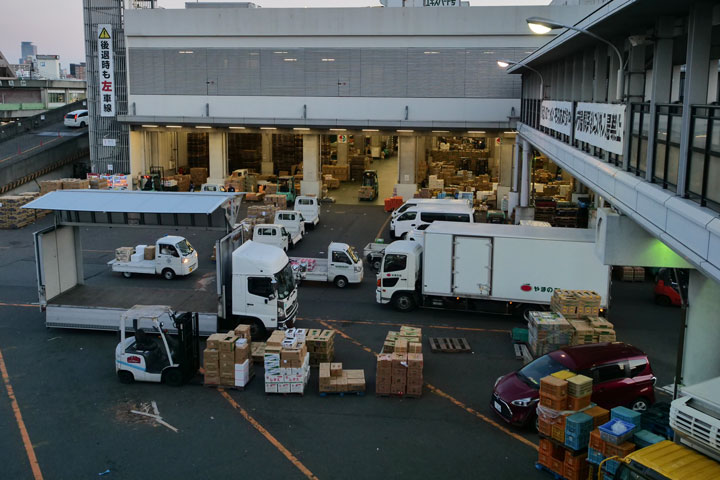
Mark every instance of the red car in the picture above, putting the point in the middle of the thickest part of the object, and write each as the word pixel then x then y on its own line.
pixel 621 375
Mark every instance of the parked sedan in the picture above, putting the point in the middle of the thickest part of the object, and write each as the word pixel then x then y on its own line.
pixel 621 375
pixel 76 118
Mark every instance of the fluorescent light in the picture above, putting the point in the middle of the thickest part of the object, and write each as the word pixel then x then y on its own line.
pixel 302 129
pixel 328 59
pixel 280 52
pixel 370 130
pixel 431 53
pixel 510 133
pixel 202 126
pixel 405 131
pixel 237 128
pixel 476 131
pixel 268 128
pixel 173 126
pixel 150 126
pixel 290 59
pixel 503 64
pixel 441 131
pixel 186 51
pixel 338 129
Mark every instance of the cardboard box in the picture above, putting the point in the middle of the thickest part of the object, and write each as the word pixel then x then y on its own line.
pixel 283 387
pixel 242 354
pixel 335 369
pixel 211 359
pixel 227 342
pixel 242 331
pixel 213 341
pixel 271 387
pixel 276 339
pixel 401 346
pixel 150 252
pixel 211 379
pixel 414 347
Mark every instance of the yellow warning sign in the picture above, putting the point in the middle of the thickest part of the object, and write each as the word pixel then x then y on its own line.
pixel 104 34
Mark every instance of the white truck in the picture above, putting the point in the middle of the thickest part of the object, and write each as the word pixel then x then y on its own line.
pixel 293 222
pixel 487 267
pixel 309 207
pixel 342 266
pixel 272 234
pixel 173 256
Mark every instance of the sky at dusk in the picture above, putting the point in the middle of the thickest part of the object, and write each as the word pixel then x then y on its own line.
pixel 56 26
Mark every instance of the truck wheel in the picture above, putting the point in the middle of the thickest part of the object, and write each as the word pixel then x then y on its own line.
pixel 341 282
pixel 127 274
pixel 173 377
pixel 258 332
pixel 404 302
pixel 663 300
pixel 168 274
pixel 125 377
pixel 376 265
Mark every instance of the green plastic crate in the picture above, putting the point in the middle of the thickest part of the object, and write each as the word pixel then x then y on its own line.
pixel 520 335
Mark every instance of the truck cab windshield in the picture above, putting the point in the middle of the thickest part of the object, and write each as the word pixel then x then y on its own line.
pixel 353 255
pixel 285 282
pixel 185 248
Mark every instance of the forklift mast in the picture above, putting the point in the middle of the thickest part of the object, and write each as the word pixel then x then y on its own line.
pixel 188 349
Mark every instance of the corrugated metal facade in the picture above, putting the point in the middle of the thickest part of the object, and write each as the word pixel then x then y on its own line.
pixel 326 72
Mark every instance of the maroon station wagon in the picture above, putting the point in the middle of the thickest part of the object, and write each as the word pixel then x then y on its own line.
pixel 621 376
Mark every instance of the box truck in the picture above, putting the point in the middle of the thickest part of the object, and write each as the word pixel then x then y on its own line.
pixel 493 268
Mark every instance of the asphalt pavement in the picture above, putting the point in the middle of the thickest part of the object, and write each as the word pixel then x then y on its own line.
pixel 36 139
pixel 77 415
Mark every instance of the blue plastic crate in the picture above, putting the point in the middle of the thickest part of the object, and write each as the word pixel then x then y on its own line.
pixel 626 415
pixel 607 433
pixel 611 466
pixel 608 476
pixel 579 423
pixel 441 195
pixel 577 441
pixel 645 438
pixel 595 456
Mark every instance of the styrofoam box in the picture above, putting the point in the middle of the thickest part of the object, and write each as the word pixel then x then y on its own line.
pixel 271 387
pixel 297 387
pixel 245 366
pixel 294 378
pixel 283 387
pixel 274 378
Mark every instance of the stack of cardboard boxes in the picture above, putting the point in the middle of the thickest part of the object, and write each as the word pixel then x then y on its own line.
pixel 548 331
pixel 366 193
pixel 321 346
pixel 278 201
pixel 287 361
pixel 604 330
pixel 331 182
pixel 566 416
pixel 124 254
pixel 339 172
pixel 400 365
pixel 575 303
pixel 198 176
pixel 12 215
pixel 226 358
pixel 334 379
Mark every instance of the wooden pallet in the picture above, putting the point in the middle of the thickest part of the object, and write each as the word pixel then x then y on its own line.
pixel 397 395
pixel 231 387
pixel 449 345
pixel 522 353
pixel 342 394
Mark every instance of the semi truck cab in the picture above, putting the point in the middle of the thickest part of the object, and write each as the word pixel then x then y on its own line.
pixel 399 275
pixel 264 292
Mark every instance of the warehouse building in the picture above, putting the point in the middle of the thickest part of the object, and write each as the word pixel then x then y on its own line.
pixel 224 87
pixel 626 102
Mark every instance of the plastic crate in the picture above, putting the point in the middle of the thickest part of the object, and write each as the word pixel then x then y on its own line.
pixel 595 456
pixel 611 466
pixel 609 436
pixel 626 415
pixel 579 423
pixel 577 441
pixel 645 438
pixel 520 335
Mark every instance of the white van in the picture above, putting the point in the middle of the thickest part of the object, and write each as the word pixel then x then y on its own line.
pixel 310 209
pixel 272 234
pixel 430 201
pixel 293 222
pixel 418 215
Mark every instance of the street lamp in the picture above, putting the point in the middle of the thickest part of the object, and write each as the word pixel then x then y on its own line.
pixel 508 63
pixel 541 26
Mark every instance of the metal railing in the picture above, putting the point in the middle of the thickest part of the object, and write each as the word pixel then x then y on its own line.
pixel 639 125
pixel 703 175
pixel 666 159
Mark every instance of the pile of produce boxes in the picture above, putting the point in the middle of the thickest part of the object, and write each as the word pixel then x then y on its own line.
pixel 12 215
pixel 287 361
pixel 333 379
pixel 548 331
pixel 400 365
pixel 226 358
pixel 321 346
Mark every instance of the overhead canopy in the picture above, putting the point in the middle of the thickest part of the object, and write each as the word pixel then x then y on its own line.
pixel 127 201
pixel 206 210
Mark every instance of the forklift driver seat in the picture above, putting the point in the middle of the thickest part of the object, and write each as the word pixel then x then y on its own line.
pixel 143 341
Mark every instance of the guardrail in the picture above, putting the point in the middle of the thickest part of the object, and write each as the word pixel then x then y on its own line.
pixel 24 125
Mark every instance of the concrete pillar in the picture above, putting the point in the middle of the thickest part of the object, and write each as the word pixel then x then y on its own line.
pixel 567 79
pixel 407 158
pixel 182 157
pixel 600 92
pixel 375 141
pixel 434 143
pixel 613 77
pixel 701 357
pixel 525 179
pixel 634 87
pixel 661 82
pixel 218 147
pixel 504 156
pixel 420 156
pixel 359 141
pixel 137 153
pixel 697 64
pixel 342 153
pixel 311 184
pixel 577 76
pixel 266 167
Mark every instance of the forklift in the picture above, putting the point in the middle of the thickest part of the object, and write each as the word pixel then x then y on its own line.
pixel 369 179
pixel 153 354
pixel 286 186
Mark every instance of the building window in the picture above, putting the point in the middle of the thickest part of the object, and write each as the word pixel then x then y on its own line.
pixel 54 97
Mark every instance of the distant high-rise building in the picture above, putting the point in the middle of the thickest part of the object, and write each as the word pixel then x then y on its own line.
pixel 27 49
pixel 77 70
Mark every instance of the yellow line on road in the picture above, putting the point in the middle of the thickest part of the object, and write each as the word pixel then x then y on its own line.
pixel 29 450
pixel 444 327
pixel 387 220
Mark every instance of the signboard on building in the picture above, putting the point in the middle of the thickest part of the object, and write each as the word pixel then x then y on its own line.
pixel 557 116
pixel 441 3
pixel 342 139
pixel 109 142
pixel 601 125
pixel 106 71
